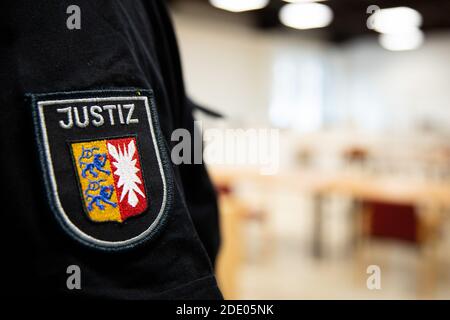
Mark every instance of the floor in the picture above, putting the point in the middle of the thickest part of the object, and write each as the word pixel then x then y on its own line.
pixel 278 263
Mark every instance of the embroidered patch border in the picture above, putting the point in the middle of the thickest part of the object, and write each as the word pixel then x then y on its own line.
pixel 39 101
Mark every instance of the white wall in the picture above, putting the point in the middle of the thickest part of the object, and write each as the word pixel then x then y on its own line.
pixel 288 79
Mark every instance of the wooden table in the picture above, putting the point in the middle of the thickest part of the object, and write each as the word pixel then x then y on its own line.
pixel 392 189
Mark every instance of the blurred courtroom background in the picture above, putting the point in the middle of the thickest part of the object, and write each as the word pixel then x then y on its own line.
pixel 364 154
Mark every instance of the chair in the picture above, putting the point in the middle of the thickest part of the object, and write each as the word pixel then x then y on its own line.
pixel 402 223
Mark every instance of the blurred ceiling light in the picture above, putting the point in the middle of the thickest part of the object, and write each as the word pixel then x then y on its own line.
pixel 300 1
pixel 396 20
pixel 306 15
pixel 402 41
pixel 239 5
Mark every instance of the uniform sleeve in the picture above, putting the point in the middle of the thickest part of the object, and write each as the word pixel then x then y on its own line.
pixel 71 101
pixel 200 195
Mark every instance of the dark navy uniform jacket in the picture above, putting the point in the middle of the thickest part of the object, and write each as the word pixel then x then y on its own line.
pixel 124 49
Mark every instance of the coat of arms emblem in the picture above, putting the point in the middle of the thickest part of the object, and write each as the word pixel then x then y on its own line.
pixel 110 178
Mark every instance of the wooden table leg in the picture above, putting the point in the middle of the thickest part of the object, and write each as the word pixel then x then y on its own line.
pixel 317 237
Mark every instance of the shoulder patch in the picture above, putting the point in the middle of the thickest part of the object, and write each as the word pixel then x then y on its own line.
pixel 105 165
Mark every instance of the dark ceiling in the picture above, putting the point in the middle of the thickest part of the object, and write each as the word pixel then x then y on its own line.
pixel 350 16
